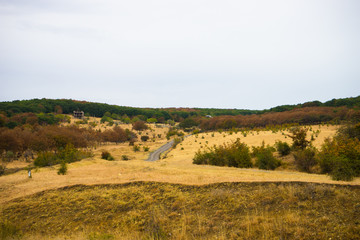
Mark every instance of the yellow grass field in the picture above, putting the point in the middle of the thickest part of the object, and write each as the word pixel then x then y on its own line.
pixel 177 167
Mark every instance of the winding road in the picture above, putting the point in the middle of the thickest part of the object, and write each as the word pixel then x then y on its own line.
pixel 154 156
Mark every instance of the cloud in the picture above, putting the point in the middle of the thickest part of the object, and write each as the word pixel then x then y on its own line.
pixel 249 54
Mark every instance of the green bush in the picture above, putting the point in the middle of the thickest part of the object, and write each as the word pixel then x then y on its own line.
pixel 125 157
pixel 146 149
pixel 68 154
pixel 63 168
pixel 46 159
pixel 236 154
pixel 283 148
pixel 2 169
pixel 136 148
pixel 144 138
pixel 106 155
pixel 342 170
pixel 265 158
pixel 340 157
pixel 305 159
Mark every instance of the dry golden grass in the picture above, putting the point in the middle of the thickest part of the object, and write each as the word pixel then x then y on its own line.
pixel 176 168
pixel 148 210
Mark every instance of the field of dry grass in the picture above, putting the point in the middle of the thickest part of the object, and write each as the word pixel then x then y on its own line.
pixel 149 210
pixel 177 167
pixel 158 208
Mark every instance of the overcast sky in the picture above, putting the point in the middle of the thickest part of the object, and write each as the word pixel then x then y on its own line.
pixel 180 53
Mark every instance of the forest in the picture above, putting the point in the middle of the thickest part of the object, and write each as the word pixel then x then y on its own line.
pixel 67 106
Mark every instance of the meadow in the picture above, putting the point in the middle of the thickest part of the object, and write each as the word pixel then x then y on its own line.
pixel 172 198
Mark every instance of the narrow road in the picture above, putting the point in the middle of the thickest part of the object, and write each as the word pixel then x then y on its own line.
pixel 154 156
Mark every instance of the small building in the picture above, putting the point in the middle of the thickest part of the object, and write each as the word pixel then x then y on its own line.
pixel 78 114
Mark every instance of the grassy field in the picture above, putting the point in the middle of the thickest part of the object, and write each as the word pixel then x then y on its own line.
pixel 150 210
pixel 174 199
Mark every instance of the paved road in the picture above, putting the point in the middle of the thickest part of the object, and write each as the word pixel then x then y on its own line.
pixel 154 156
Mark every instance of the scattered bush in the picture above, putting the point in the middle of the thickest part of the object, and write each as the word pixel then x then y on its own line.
pixel 144 138
pixel 139 125
pixel 2 169
pixel 305 159
pixel 265 158
pixel 63 168
pixel 146 149
pixel 107 156
pixel 298 135
pixel 283 148
pixel 136 148
pixel 342 169
pixel 125 157
pixel 236 154
pixel 340 157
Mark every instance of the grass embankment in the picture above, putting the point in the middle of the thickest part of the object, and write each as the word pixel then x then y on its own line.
pixel 149 210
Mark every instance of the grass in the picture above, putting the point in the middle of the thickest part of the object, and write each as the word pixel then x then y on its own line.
pixel 150 210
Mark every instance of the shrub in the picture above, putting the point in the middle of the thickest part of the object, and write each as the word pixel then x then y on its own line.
pixel 107 156
pixel 146 149
pixel 342 170
pixel 298 135
pixel 340 157
pixel 144 138
pixel 305 159
pixel 136 148
pixel 236 154
pixel 283 148
pixel 176 141
pixel 63 168
pixel 264 158
pixel 45 159
pixel 125 157
pixel 139 125
pixel 2 169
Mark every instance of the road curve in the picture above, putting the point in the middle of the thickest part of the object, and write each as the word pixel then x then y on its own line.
pixel 154 156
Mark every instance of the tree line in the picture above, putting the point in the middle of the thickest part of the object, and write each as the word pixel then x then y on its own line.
pixel 67 106
pixel 302 116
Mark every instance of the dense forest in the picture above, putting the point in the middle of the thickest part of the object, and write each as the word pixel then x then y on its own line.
pixel 51 111
pixel 67 106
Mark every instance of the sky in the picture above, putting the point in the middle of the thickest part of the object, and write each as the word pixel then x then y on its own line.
pixel 239 54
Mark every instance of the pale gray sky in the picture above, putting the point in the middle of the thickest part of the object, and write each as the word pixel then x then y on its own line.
pixel 180 53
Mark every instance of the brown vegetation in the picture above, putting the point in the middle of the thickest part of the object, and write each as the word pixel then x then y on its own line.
pixel 307 115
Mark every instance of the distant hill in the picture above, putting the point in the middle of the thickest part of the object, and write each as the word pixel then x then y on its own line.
pixel 67 106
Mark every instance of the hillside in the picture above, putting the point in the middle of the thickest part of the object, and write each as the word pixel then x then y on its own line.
pixel 149 210
pixel 67 106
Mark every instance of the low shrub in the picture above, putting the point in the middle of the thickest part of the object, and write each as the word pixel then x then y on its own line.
pixel 2 169
pixel 63 168
pixel 342 170
pixel 340 157
pixel 265 158
pixel 146 149
pixel 283 148
pixel 125 157
pixel 236 154
pixel 144 138
pixel 305 159
pixel 107 156
pixel 136 148
pixel 68 154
